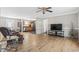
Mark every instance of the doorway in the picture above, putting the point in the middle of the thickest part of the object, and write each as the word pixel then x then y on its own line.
pixel 29 26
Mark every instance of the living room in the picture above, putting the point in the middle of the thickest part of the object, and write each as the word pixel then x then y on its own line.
pixel 39 29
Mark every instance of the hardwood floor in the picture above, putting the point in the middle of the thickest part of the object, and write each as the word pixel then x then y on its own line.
pixel 46 43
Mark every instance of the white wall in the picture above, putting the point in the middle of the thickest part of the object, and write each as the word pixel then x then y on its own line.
pixel 39 26
pixel 78 25
pixel 4 20
pixel 65 20
pixel 78 20
pixel 45 25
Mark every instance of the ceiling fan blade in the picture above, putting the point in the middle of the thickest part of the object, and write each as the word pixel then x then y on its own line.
pixel 39 7
pixel 49 10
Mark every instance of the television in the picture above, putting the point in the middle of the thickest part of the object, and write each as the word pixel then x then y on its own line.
pixel 56 26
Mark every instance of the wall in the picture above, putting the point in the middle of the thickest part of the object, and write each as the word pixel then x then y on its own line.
pixel 4 20
pixel 39 26
pixel 45 25
pixel 78 25
pixel 78 20
pixel 66 21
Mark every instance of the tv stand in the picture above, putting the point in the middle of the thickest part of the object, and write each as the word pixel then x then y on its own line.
pixel 56 33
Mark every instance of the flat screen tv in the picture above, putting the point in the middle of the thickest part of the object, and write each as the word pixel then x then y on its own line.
pixel 56 26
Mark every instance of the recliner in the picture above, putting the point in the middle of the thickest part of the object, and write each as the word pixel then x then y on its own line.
pixel 5 31
pixel 10 38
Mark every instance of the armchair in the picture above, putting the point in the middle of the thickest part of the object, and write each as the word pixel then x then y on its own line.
pixel 9 37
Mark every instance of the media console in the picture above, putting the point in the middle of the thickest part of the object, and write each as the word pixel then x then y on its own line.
pixel 56 33
pixel 56 30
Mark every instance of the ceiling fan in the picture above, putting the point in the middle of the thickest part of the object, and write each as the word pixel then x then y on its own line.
pixel 45 9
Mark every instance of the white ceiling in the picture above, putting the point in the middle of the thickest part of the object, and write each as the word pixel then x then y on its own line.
pixel 30 12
